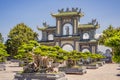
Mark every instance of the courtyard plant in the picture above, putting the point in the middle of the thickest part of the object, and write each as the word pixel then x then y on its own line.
pixel 111 38
pixel 92 57
pixel 18 35
pixel 40 57
pixel 3 53
pixel 73 57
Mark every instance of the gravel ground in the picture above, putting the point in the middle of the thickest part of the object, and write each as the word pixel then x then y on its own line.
pixel 106 72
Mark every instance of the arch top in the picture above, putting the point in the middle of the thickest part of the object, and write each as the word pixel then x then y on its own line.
pixel 67 29
pixel 86 36
pixel 67 47
pixel 85 50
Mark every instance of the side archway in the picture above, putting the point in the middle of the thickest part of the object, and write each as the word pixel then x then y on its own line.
pixel 86 36
pixel 50 37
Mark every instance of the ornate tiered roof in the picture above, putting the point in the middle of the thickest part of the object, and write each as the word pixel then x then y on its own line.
pixel 68 12
pixel 87 26
pixel 80 26
pixel 47 28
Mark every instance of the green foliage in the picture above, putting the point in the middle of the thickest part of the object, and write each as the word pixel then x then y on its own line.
pixel 109 32
pixel 1 38
pixel 111 38
pixel 83 55
pixel 19 35
pixel 3 53
pixel 116 58
pixel 113 42
pixel 25 51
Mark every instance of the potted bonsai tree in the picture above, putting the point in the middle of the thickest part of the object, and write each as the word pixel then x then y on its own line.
pixel 38 58
pixel 72 66
pixel 94 60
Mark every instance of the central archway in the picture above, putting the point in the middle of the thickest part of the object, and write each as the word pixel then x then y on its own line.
pixel 67 47
pixel 67 29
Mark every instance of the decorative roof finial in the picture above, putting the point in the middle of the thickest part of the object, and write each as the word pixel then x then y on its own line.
pixel 96 23
pixel 59 11
pixel 76 9
pixel 67 10
pixel 73 10
pixel 79 10
pixel 44 24
pixel 62 10
pixel 93 21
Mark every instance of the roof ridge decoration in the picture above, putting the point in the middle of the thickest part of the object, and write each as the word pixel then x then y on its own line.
pixel 94 22
pixel 45 24
pixel 68 10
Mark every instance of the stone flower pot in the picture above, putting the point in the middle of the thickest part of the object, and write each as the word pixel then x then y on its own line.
pixel 100 64
pixel 40 76
pixel 92 66
pixel 68 70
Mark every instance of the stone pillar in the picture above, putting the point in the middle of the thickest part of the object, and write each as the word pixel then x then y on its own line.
pixel 75 26
pixel 93 49
pixel 44 36
pixel 77 46
pixel 58 27
pixel 57 43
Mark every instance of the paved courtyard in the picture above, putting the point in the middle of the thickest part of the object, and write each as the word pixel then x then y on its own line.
pixel 11 69
pixel 106 72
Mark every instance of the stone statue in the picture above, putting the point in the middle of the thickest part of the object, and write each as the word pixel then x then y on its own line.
pixel 79 10
pixel 67 30
pixel 45 24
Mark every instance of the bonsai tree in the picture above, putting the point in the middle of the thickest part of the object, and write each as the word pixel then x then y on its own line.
pixel 91 57
pixel 25 52
pixel 73 57
pixel 84 56
pixel 39 56
pixel 45 54
pixel 61 55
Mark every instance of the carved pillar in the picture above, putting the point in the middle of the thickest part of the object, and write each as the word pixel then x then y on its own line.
pixel 77 46
pixel 92 34
pixel 75 21
pixel 44 36
pixel 58 27
pixel 57 43
pixel 93 49
pixel 75 26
